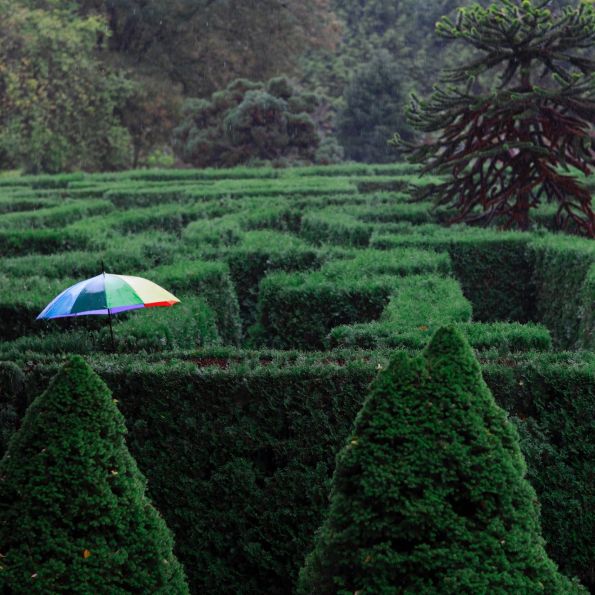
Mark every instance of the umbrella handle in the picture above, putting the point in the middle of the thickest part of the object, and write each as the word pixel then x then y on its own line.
pixel 109 312
pixel 111 330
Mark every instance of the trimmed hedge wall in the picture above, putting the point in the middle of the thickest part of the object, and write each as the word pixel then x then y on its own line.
pixel 260 253
pixel 55 216
pixel 239 455
pixel 504 337
pixel 212 282
pixel 419 306
pixel 399 262
pixel 587 325
pixel 23 298
pixel 41 241
pixel 565 288
pixel 298 310
pixel 14 203
pixel 335 228
pixel 494 268
pixel 552 405
pixel 422 301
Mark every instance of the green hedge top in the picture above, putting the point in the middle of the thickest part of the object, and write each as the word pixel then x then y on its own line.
pixel 398 262
pixel 55 216
pixel 503 338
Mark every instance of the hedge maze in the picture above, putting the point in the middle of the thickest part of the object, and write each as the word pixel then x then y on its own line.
pixel 295 286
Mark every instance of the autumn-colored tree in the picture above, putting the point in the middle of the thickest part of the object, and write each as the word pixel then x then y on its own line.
pixel 506 150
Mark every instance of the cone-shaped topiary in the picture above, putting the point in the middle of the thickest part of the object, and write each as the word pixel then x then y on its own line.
pixel 429 494
pixel 74 517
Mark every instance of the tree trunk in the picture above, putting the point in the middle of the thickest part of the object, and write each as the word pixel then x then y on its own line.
pixel 136 155
pixel 521 212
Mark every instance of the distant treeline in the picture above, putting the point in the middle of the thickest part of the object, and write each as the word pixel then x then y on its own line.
pixel 104 84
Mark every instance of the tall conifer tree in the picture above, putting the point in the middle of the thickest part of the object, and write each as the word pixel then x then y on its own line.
pixel 429 494
pixel 74 516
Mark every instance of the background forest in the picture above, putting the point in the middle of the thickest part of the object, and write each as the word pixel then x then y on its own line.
pixel 112 84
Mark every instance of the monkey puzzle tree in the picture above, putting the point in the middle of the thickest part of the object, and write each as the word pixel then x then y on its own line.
pixel 508 150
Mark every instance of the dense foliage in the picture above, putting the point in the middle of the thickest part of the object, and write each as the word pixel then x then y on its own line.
pixel 250 122
pixel 203 45
pixel 503 149
pixel 58 103
pixel 73 511
pixel 429 494
pixel 137 61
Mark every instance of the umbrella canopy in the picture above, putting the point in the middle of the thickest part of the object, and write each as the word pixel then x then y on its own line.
pixel 108 294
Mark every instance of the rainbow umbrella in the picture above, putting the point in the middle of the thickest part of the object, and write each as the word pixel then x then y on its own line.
pixel 107 294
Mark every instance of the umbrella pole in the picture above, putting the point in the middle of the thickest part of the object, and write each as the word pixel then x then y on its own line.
pixel 109 314
pixel 111 330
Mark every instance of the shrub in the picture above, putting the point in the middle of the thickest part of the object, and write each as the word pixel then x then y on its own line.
pixel 23 298
pixel 551 400
pixel 357 226
pixel 261 253
pixel 145 197
pixel 248 121
pixel 503 337
pixel 298 310
pixel 72 501
pixel 427 301
pixel 429 493
pixel 399 262
pixel 188 325
pixel 395 210
pixel 12 383
pixel 170 218
pixel 280 215
pixel 587 326
pixel 13 202
pixel 335 228
pixel 41 241
pixel 212 233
